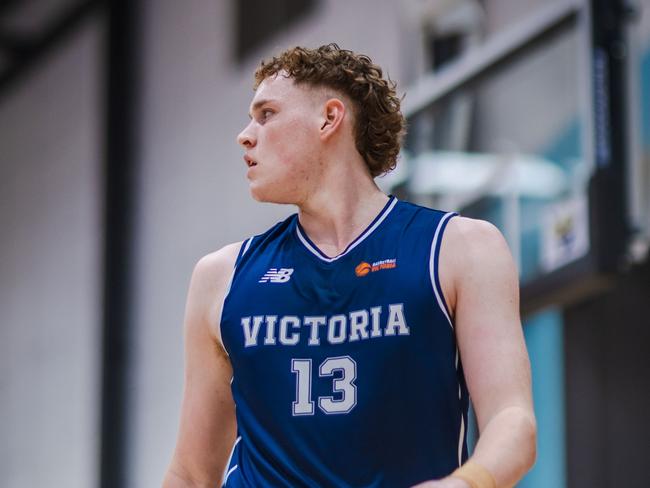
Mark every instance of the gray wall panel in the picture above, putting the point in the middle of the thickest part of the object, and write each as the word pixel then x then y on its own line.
pixel 49 269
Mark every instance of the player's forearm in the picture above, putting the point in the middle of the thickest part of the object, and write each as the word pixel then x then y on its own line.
pixel 507 445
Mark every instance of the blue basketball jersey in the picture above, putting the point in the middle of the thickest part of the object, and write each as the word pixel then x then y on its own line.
pixel 346 370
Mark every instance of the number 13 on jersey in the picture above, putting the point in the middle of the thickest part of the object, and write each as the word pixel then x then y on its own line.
pixel 343 385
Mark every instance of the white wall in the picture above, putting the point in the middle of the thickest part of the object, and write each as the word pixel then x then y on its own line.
pixel 544 89
pixel 194 195
pixel 50 283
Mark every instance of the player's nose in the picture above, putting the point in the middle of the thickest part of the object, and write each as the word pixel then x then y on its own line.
pixel 246 137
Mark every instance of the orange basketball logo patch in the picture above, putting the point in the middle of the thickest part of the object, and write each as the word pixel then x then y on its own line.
pixel 364 268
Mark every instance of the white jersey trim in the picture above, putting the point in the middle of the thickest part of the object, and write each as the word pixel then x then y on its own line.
pixel 246 244
pixel 460 440
pixel 433 268
pixel 230 471
pixel 355 243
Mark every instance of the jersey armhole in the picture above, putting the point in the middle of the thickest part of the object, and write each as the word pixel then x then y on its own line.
pixel 242 250
pixel 433 265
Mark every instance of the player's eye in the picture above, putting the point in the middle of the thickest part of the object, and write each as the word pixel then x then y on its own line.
pixel 266 113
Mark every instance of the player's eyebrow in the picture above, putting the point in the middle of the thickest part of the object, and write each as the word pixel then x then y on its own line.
pixel 259 104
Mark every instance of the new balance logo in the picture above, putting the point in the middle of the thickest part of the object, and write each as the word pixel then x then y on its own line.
pixel 274 275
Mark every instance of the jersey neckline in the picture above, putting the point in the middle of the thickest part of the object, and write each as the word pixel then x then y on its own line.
pixel 313 248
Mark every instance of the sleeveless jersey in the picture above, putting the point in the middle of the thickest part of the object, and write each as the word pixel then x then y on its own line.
pixel 346 370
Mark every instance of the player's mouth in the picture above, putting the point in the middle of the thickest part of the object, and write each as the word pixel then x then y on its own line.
pixel 249 161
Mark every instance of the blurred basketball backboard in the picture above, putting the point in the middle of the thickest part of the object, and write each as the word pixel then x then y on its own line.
pixel 520 131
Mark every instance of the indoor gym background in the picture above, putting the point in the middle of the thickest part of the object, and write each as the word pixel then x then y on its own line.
pixel 119 169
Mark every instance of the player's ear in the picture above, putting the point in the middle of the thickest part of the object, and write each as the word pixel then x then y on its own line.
pixel 332 117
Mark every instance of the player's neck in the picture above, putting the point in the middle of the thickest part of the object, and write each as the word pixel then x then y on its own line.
pixel 336 215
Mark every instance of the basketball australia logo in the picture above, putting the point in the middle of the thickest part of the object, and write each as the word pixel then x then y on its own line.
pixel 364 268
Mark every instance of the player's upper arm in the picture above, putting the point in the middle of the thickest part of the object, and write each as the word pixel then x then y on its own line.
pixel 207 424
pixel 483 288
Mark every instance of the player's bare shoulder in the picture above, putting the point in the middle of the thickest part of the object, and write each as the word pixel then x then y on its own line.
pixel 471 247
pixel 210 280
pixel 474 236
pixel 217 263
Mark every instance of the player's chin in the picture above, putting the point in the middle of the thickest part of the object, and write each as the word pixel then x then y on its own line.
pixel 261 193
pixel 267 193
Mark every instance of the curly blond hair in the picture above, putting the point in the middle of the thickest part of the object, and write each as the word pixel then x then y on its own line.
pixel 379 125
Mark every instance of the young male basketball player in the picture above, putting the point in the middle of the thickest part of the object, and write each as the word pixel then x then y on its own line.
pixel 338 348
